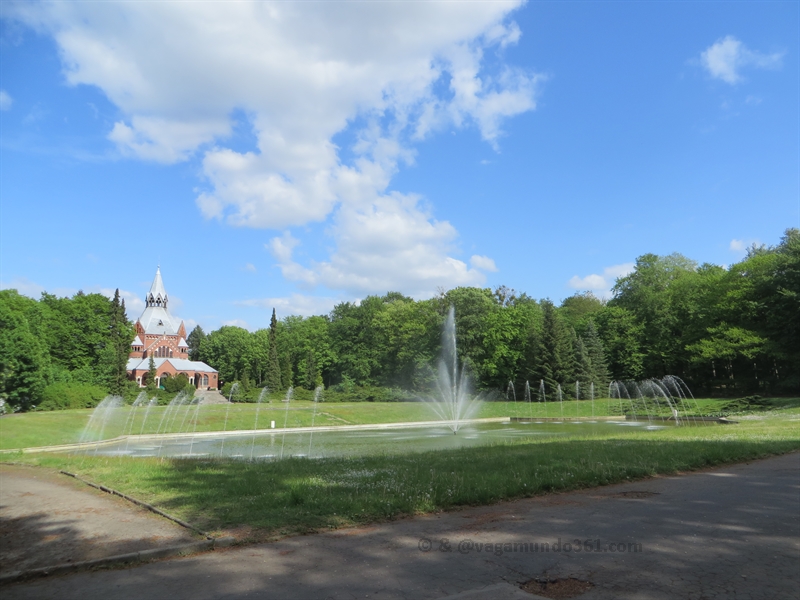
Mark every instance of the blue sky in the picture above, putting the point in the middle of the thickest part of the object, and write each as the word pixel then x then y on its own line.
pixel 301 154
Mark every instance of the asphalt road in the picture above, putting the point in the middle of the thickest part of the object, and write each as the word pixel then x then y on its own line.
pixel 724 533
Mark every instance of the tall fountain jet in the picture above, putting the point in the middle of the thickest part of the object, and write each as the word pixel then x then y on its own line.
pixel 455 402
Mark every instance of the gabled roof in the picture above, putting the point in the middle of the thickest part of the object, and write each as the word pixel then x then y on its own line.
pixel 137 341
pixel 157 320
pixel 183 344
pixel 180 364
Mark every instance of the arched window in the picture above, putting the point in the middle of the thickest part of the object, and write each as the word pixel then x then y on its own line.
pixel 205 379
pixel 163 352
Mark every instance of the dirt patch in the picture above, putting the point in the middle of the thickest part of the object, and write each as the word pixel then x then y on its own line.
pixel 355 531
pixel 557 588
pixel 243 533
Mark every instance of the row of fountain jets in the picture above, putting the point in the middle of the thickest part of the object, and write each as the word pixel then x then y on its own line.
pixel 454 404
pixel 649 395
pixel 178 411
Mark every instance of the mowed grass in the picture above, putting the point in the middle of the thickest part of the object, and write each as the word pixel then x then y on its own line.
pixel 64 427
pixel 260 500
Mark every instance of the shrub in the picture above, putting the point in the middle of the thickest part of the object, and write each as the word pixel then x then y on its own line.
pixel 176 384
pixel 367 394
pixel 60 396
pixel 745 404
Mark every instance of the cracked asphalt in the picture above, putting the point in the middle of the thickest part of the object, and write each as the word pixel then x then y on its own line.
pixel 732 532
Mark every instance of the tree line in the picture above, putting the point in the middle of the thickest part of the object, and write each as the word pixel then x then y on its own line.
pixel 723 330
pixel 56 348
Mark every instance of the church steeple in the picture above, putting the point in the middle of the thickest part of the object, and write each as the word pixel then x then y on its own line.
pixel 157 296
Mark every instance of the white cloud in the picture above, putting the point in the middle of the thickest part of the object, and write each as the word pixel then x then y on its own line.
pixel 236 323
pixel 484 263
pixel 5 100
pixel 590 282
pixel 134 304
pixel 727 57
pixel 601 284
pixel 24 286
pixel 392 244
pixel 303 73
pixel 740 247
pixel 165 140
pixel 737 246
pixel 617 271
pixel 296 304
pixel 250 268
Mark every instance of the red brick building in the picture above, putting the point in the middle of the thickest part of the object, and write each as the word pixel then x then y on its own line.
pixel 162 336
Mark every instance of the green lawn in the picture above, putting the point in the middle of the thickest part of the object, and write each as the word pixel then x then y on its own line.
pixel 64 427
pixel 299 495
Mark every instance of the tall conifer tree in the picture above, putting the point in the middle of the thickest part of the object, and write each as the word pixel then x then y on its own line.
pixel 274 366
pixel 151 376
pixel 196 337
pixel 583 364
pixel 121 336
pixel 597 357
pixel 553 349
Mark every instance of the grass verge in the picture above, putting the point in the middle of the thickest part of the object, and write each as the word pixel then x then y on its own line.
pixel 262 500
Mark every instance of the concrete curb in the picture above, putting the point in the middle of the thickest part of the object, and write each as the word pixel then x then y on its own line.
pixel 149 507
pixel 119 559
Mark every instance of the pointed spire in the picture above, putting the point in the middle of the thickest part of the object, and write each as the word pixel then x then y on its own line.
pixel 157 296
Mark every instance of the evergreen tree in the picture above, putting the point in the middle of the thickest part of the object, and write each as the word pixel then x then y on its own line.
pixel 583 364
pixel 259 356
pixel 553 361
pixel 151 376
pixel 597 358
pixel 196 337
pixel 273 367
pixel 245 385
pixel 287 374
pixel 311 375
pixel 121 335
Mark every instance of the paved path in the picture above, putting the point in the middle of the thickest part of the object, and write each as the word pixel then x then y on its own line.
pixel 211 397
pixel 726 533
pixel 48 519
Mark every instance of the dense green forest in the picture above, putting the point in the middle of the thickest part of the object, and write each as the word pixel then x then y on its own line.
pixel 723 330
pixel 56 348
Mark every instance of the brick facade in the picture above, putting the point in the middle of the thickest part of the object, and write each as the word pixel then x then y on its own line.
pixel 160 336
